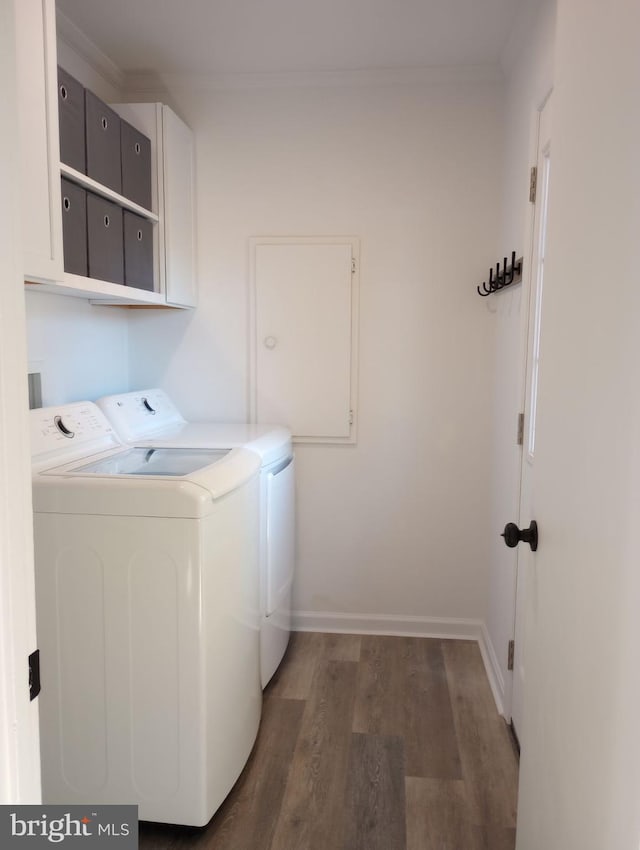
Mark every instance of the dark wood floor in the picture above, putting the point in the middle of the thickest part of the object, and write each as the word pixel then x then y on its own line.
pixel 369 743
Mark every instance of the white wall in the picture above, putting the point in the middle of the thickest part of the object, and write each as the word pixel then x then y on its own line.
pixel 580 768
pixel 529 70
pixel 399 524
pixel 81 350
pixel 81 58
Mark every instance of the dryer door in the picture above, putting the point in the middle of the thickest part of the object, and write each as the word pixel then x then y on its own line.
pixel 280 543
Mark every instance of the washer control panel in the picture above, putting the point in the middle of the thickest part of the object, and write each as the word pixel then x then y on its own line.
pixel 69 427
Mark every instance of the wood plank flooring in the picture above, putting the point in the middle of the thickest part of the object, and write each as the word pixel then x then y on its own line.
pixel 369 743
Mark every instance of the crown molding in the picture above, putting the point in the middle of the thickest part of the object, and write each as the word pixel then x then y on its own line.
pixel 74 38
pixel 377 77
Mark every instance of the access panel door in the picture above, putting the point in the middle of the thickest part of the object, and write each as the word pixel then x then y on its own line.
pixel 304 339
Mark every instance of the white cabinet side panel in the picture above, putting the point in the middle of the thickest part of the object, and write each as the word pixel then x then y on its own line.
pixel 179 217
pixel 303 337
pixel 39 143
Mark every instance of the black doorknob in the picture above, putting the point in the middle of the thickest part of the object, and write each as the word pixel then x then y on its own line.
pixel 513 535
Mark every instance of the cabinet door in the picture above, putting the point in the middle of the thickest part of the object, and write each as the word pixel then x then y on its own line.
pixel 39 141
pixel 304 343
pixel 179 218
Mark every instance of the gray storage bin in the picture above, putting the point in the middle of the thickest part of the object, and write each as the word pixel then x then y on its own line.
pixel 105 239
pixel 103 142
pixel 135 149
pixel 71 121
pixel 74 227
pixel 138 251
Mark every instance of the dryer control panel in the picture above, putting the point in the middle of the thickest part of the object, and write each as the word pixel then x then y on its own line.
pixel 139 415
pixel 69 430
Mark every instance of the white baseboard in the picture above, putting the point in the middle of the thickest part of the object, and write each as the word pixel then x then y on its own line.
pixel 408 626
pixel 385 624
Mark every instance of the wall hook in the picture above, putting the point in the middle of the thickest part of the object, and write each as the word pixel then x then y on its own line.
pixel 510 274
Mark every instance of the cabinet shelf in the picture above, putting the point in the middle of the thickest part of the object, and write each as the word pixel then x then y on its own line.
pixel 99 189
pixel 99 291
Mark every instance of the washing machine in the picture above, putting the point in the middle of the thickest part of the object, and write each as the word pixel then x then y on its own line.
pixel 148 617
pixel 150 418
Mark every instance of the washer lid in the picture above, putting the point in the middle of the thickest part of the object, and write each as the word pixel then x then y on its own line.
pixel 80 467
pixel 151 461
pixel 123 483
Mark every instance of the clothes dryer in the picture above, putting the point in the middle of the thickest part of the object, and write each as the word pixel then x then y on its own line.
pixel 150 418
pixel 147 617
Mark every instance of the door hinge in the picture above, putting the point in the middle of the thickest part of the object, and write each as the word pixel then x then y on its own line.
pixel 512 647
pixel 353 265
pixel 533 184
pixel 351 417
pixel 34 674
pixel 520 429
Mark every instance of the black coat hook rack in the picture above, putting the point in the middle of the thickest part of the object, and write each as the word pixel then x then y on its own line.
pixel 508 275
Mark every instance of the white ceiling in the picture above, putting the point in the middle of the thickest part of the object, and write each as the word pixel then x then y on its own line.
pixel 266 36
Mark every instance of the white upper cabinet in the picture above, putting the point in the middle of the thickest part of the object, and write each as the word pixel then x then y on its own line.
pixel 172 176
pixel 39 145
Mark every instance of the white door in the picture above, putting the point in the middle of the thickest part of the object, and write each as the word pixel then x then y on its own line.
pixel 526 556
pixel 19 742
pixel 579 783
pixel 281 538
